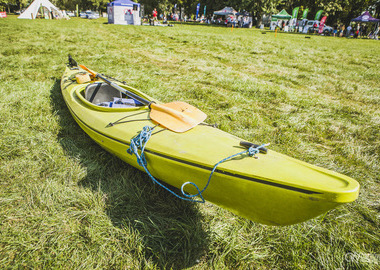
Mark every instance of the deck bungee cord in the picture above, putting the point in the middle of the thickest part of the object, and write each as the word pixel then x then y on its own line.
pixel 140 141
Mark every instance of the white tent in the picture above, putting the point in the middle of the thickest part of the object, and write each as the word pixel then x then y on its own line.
pixel 124 12
pixel 225 11
pixel 34 8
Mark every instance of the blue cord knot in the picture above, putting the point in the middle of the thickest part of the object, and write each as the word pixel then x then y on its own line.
pixel 139 142
pixel 252 151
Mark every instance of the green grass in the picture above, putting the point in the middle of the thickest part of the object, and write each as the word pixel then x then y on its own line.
pixel 67 204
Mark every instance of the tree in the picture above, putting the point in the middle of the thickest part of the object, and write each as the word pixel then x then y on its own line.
pixel 261 7
pixel 6 4
pixel 68 4
pixel 149 5
pixel 357 7
pixel 99 4
pixel 376 8
pixel 14 4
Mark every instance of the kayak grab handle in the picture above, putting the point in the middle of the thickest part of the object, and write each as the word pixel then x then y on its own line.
pixel 262 150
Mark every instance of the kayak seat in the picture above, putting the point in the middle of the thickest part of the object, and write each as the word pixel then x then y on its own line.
pixel 100 92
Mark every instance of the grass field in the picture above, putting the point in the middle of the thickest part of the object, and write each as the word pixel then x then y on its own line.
pixel 67 204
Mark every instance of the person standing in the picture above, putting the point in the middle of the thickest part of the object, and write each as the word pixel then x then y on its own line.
pixel 358 31
pixel 154 13
pixel 335 31
pixel 348 33
pixel 341 30
pixel 364 30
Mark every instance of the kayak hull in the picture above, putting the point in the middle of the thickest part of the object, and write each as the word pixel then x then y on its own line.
pixel 273 189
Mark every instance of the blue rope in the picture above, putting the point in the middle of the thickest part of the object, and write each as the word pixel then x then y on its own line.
pixel 139 142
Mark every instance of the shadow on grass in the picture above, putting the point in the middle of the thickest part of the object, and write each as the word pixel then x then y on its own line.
pixel 170 230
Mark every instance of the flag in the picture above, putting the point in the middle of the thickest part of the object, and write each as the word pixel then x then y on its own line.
pixel 304 15
pixel 295 12
pixel 321 24
pixel 318 15
pixel 198 6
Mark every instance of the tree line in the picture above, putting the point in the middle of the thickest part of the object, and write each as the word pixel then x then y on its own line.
pixel 338 11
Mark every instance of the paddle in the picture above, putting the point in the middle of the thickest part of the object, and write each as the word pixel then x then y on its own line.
pixel 176 116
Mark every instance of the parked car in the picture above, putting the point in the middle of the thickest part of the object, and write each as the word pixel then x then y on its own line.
pixel 92 15
pixel 314 26
pixel 83 15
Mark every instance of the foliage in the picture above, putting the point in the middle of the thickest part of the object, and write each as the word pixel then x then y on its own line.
pixel 261 7
pixel 70 4
pixel 13 4
pixel 100 5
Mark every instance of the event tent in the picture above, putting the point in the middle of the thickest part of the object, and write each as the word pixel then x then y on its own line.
pixel 33 9
pixel 225 11
pixel 243 13
pixel 244 19
pixel 124 12
pixel 365 17
pixel 283 15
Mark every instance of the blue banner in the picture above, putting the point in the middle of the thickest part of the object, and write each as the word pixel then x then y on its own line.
pixel 198 6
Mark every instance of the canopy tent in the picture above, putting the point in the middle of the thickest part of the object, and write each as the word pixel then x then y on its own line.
pixel 225 11
pixel 283 15
pixel 244 19
pixel 244 13
pixel 124 12
pixel 33 9
pixel 365 17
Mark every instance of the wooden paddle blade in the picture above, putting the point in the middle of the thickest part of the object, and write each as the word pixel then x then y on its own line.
pixel 176 116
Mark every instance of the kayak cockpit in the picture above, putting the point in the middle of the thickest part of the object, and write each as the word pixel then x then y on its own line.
pixel 102 94
pixel 104 97
pixel 98 93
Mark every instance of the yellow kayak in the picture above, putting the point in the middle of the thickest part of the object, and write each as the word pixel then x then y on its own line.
pixel 269 188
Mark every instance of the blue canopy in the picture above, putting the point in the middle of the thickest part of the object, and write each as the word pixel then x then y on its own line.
pixel 365 17
pixel 122 3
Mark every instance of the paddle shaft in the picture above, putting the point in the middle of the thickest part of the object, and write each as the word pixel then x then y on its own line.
pixel 175 116
pixel 117 87
pixel 124 91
